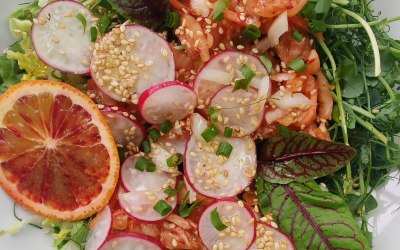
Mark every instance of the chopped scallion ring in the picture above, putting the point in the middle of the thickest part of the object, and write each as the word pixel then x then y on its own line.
pixel 173 20
pixel 228 132
pixel 93 34
pixel 297 36
pixel 175 160
pixel 219 8
pixel 166 126
pixel 244 83
pixel 154 134
pixel 146 146
pixel 225 149
pixel 143 164
pixel 297 65
pixel 252 32
pixel 162 207
pixel 210 133
pixel 267 63
pixel 216 220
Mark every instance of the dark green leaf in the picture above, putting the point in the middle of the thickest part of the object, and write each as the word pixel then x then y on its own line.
pixel 313 218
pixel 317 26
pixel 346 68
pixel 300 157
pixel 323 6
pixel 353 87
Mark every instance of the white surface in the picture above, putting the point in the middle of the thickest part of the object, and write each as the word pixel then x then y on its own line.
pixel 385 219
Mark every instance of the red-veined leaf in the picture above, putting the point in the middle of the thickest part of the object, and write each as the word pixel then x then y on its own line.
pixel 300 157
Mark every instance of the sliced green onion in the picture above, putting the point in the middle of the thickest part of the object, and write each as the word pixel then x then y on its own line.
pixel 297 36
pixel 146 146
pixel 247 72
pixel 170 191
pixel 322 6
pixel 162 207
pixel 209 133
pixel 104 23
pixel 185 210
pixel 173 20
pixel 267 63
pixel 93 34
pixel 252 32
pixel 225 149
pixel 154 134
pixel 244 83
pixel 166 126
pixel 219 8
pixel 83 21
pixel 297 65
pixel 210 111
pixel 216 220
pixel 142 163
pixel 228 132
pixel 175 160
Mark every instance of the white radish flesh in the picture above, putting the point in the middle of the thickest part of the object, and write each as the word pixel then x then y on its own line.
pixel 60 38
pixel 100 230
pixel 145 59
pixel 286 100
pixel 131 241
pixel 124 128
pixel 214 176
pixel 276 30
pixel 198 124
pixel 200 7
pixel 167 101
pixel 264 233
pixel 237 110
pixel 222 69
pixel 238 218
pixel 192 192
pixel 145 189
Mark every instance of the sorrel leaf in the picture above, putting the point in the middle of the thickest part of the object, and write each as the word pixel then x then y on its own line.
pixel 300 157
pixel 313 218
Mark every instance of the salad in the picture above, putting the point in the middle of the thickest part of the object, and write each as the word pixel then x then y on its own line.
pixel 199 124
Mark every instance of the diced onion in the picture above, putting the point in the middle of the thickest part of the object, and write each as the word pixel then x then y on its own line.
pixel 275 114
pixel 277 29
pixel 200 7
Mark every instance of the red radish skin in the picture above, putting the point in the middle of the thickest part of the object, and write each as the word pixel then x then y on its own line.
pixel 237 216
pixel 236 110
pixel 264 232
pixel 100 230
pixel 131 241
pixel 145 189
pixel 124 127
pixel 171 100
pixel 59 39
pixel 223 69
pixel 146 59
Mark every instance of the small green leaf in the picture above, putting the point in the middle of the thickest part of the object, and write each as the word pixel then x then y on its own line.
pixel 323 6
pixel 353 87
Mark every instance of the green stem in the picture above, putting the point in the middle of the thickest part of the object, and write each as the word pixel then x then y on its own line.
pixel 329 55
pixel 338 2
pixel 387 87
pixel 366 86
pixel 355 108
pixel 372 129
pixel 382 22
pixel 372 38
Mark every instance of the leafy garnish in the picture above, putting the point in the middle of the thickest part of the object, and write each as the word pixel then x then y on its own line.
pixel 301 157
pixel 184 209
pixel 314 218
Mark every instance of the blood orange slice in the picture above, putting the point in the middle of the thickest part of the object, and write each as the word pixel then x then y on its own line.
pixel 57 154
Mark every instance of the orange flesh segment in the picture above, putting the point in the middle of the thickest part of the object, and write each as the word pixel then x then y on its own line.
pixel 56 156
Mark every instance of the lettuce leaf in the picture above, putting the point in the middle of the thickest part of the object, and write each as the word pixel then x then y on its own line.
pixel 10 73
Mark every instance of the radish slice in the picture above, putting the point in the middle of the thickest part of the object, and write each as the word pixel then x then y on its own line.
pixel 130 59
pixel 165 148
pixel 215 176
pixel 236 110
pixel 239 219
pixel 124 127
pixel 264 233
pixel 286 100
pixel 167 101
pixel 100 230
pixel 131 241
pixel 192 192
pixel 276 30
pixel 60 39
pixel 198 124
pixel 222 69
pixel 145 189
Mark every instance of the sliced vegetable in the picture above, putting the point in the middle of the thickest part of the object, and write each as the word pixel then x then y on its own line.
pixel 265 232
pixel 223 217
pixel 125 241
pixel 99 230
pixel 167 101
pixel 61 36
pixel 276 30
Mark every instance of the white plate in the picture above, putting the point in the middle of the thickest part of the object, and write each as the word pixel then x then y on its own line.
pixel 384 220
